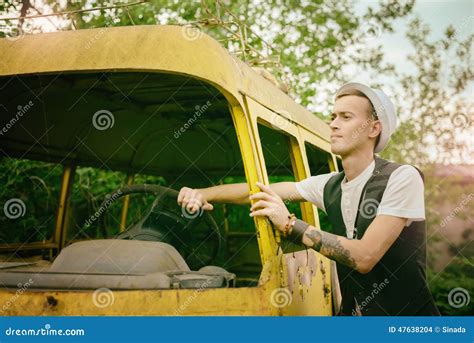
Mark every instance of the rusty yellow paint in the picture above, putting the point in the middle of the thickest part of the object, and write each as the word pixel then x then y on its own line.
pixel 266 244
pixel 173 302
pixel 309 295
pixel 326 278
pixel 239 301
pixel 262 115
pixel 311 286
pixel 313 297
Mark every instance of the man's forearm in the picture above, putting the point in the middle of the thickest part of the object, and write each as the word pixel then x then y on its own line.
pixel 235 193
pixel 238 193
pixel 337 248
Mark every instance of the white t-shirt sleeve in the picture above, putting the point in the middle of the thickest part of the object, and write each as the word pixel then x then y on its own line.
pixel 312 189
pixel 404 195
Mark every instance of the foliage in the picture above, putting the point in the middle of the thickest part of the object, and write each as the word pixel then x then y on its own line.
pixel 89 189
pixel 436 99
pixel 36 185
pixel 457 274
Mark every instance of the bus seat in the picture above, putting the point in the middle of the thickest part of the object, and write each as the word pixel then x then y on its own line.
pixel 119 264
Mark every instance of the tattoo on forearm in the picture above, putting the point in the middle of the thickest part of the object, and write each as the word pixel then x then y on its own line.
pixel 316 238
pixel 330 246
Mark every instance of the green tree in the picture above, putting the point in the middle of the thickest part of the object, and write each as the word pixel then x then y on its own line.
pixel 310 40
pixel 436 99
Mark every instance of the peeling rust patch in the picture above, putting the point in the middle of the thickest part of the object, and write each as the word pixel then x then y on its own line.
pixel 322 267
pixel 301 265
pixel 326 289
pixel 51 302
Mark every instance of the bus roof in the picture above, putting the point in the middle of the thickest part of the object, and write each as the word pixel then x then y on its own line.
pixel 151 48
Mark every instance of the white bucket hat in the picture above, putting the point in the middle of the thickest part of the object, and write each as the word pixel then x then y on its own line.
pixel 383 107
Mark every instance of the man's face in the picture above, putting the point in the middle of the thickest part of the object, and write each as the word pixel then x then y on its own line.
pixel 352 125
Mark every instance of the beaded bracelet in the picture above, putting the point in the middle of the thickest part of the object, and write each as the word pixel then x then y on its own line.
pixel 289 225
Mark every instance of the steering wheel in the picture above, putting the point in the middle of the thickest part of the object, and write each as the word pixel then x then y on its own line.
pixel 195 235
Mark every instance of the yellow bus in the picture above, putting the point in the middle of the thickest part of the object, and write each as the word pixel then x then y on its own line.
pixel 151 103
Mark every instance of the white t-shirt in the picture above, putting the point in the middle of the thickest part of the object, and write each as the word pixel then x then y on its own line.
pixel 403 196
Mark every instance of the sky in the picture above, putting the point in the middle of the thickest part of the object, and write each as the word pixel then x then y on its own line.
pixel 437 14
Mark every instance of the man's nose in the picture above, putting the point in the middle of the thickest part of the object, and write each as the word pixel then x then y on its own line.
pixel 333 124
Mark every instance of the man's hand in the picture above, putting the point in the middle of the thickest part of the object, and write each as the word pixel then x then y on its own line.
pixel 271 205
pixel 193 200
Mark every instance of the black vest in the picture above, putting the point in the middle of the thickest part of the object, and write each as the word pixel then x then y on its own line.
pixel 397 283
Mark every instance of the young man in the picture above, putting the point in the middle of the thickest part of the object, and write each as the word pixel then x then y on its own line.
pixel 376 209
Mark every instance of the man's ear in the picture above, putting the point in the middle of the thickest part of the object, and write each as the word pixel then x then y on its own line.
pixel 375 128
